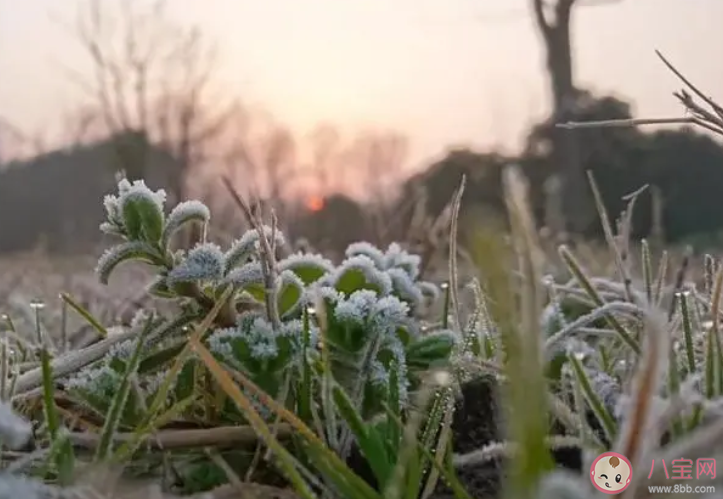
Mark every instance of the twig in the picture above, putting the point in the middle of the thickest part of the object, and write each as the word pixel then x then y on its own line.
pixel 71 362
pixel 267 256
pixel 633 122
pixel 712 121
pixel 179 439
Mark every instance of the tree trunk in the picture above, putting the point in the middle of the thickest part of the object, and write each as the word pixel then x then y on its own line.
pixel 565 152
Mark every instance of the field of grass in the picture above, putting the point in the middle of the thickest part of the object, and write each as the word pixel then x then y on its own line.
pixel 234 372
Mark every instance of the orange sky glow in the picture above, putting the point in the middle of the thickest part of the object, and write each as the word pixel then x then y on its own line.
pixel 444 72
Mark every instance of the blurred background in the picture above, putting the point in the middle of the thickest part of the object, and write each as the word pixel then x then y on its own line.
pixel 357 119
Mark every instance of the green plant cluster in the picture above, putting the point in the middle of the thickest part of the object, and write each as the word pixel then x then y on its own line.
pixel 286 323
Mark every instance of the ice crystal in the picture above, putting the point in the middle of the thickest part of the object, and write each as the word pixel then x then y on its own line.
pixel 122 350
pixel 113 256
pixel 366 249
pixel 204 262
pixel 388 313
pixel 296 260
pixel 429 289
pixel 98 379
pixel 183 213
pixel 248 274
pixel 365 308
pixel 397 257
pixel 139 320
pixel 139 189
pixel 357 308
pixel 248 245
pixel 260 340
pixel 405 286
pixel 366 267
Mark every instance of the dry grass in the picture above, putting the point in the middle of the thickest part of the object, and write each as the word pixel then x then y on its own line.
pixel 39 277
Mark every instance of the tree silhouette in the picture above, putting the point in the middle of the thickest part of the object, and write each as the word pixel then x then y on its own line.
pixel 553 20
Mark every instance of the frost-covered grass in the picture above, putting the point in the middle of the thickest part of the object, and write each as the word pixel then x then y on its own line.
pixel 243 346
pixel 341 379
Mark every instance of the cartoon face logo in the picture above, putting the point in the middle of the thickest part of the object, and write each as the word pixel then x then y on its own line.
pixel 611 473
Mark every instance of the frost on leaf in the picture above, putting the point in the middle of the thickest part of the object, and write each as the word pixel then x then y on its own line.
pixel 391 355
pixel 112 257
pixel 356 309
pixel 368 250
pixel 99 381
pixel 397 257
pixel 250 274
pixel 142 211
pixel 405 287
pixel 388 314
pixel 114 221
pixel 183 213
pixel 429 290
pixel 203 263
pixel 308 267
pixel 364 317
pixel 260 351
pixel 430 349
pixel 248 245
pixel 358 272
pixel 290 292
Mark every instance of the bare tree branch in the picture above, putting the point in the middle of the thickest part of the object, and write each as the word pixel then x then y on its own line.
pixel 152 76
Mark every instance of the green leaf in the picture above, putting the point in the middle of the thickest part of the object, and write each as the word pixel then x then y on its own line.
pixel 257 291
pixel 115 412
pixel 159 287
pixel 429 349
pixel 85 315
pixel 289 297
pixel 114 256
pixel 553 369
pixel 142 216
pixel 354 279
pixel 158 359
pixel 184 213
pixel 65 457
pixel 607 421
pixel 308 270
pixel 371 444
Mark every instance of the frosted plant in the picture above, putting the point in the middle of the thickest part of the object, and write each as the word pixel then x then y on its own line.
pixel 248 246
pixel 249 274
pixel 405 287
pixel 265 354
pixel 359 272
pixel 368 335
pixel 398 266
pixel 396 257
pixel 308 267
pixel 368 250
pixel 99 381
pixel 204 263
pixel 372 299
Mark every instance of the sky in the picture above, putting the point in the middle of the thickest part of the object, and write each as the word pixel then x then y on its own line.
pixel 444 72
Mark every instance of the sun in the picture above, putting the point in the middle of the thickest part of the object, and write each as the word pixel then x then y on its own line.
pixel 315 203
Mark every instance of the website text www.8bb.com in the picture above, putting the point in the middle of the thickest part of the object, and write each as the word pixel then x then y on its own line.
pixel 686 469
pixel 681 488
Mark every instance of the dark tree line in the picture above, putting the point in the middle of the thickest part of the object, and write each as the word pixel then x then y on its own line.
pixel 683 165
